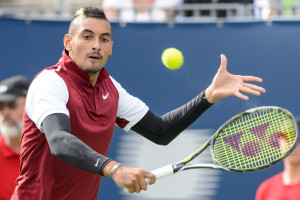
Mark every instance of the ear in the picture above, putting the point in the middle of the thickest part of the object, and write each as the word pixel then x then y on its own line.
pixel 67 42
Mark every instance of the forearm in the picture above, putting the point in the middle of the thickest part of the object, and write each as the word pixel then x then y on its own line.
pixel 162 130
pixel 69 148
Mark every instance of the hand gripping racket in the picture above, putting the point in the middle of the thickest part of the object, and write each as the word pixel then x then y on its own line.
pixel 250 141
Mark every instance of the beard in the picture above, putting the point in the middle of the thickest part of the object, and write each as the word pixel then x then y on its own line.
pixel 92 71
pixel 91 68
pixel 11 131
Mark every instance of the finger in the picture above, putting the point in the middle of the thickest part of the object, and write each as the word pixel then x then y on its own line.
pixel 249 91
pixel 255 87
pixel 223 63
pixel 129 189
pixel 241 96
pixel 251 79
pixel 151 177
pixel 137 187
pixel 143 183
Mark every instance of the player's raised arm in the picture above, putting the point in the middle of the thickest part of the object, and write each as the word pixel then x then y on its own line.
pixel 163 129
pixel 226 84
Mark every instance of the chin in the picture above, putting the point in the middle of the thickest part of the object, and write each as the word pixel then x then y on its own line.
pixel 92 71
pixel 11 130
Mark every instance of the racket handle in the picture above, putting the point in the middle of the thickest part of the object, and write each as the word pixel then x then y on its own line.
pixel 163 171
pixel 159 173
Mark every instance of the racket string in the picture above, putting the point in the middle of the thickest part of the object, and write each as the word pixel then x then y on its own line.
pixel 254 140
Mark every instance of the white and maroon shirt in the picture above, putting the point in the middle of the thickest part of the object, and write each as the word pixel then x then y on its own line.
pixel 93 111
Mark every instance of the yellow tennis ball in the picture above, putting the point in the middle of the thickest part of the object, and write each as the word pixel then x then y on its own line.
pixel 172 58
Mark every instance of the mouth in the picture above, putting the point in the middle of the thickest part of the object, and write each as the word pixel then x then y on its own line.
pixel 95 56
pixel 8 122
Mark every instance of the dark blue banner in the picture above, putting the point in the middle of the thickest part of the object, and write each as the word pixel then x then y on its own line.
pixel 268 51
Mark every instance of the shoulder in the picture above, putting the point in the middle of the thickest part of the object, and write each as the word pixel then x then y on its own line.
pixel 47 74
pixel 47 78
pixel 1 139
pixel 47 85
pixel 270 182
pixel 117 85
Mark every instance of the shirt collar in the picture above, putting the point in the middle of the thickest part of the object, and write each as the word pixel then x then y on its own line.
pixel 72 68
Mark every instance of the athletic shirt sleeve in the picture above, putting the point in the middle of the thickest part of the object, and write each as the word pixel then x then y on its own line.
pixel 130 109
pixel 47 94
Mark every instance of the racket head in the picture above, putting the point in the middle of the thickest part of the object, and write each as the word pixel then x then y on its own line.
pixel 255 139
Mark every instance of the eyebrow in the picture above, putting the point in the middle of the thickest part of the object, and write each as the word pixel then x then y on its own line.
pixel 103 34
pixel 87 30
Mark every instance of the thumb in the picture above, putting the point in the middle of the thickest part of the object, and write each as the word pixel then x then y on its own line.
pixel 223 63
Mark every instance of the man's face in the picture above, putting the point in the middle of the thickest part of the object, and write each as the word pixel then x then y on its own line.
pixel 294 157
pixel 11 115
pixel 90 46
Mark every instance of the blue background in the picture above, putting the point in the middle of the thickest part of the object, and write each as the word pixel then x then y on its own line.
pixel 270 52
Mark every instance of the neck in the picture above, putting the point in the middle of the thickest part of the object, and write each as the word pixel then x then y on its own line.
pixel 291 174
pixel 93 78
pixel 14 144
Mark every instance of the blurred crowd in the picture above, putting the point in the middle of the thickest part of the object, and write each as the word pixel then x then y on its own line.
pixel 162 10
pixel 155 10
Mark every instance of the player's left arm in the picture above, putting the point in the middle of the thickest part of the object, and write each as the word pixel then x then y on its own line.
pixel 163 129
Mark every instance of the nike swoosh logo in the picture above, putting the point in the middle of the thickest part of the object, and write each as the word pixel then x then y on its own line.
pixel 97 162
pixel 105 97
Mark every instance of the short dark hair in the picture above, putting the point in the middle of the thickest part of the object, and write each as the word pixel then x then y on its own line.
pixel 92 12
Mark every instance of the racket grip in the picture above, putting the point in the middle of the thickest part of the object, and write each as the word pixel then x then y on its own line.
pixel 163 171
pixel 159 173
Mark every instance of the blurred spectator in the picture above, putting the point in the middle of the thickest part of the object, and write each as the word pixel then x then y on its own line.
pixel 219 13
pixel 286 184
pixel 139 10
pixel 266 9
pixel 12 99
pixel 262 9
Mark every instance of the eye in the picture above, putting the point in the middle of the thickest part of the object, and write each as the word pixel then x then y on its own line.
pixel 105 40
pixel 87 37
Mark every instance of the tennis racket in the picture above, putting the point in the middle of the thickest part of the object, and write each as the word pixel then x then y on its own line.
pixel 250 141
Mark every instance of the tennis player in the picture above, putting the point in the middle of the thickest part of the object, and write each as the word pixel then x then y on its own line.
pixel 72 108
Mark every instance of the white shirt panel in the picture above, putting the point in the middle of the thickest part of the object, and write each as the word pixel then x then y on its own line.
pixel 47 94
pixel 130 108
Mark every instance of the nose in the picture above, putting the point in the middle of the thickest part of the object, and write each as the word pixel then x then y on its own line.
pixel 97 45
pixel 5 110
